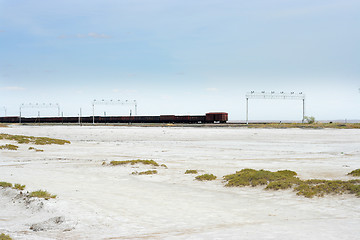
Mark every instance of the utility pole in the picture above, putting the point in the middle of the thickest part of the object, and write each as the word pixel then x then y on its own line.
pixel 80 117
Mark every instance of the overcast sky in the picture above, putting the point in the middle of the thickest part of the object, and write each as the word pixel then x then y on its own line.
pixel 181 57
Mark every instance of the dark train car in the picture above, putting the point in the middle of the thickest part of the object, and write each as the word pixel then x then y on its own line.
pixel 9 119
pixel 182 119
pixel 189 119
pixel 70 119
pixel 167 118
pixel 212 117
pixel 146 119
pixel 197 119
pixel 50 119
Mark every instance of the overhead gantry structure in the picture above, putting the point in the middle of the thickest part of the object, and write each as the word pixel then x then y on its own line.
pixel 274 95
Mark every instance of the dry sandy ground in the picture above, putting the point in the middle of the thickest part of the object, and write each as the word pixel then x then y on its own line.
pixel 104 202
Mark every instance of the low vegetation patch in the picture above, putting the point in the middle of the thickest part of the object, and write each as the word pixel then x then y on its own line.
pixel 42 194
pixel 19 186
pixel 5 237
pixel 251 177
pixel 5 184
pixel 286 179
pixel 205 177
pixel 35 140
pixel 355 173
pixel 149 172
pixel 10 185
pixel 191 171
pixel 9 147
pixel 3 125
pixel 133 162
pixel 36 149
pixel 306 125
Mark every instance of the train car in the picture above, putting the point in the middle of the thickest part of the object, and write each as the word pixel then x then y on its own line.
pixel 167 118
pixel 212 117
pixel 221 117
pixel 9 119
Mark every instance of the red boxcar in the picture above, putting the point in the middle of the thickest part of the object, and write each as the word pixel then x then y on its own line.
pixel 212 117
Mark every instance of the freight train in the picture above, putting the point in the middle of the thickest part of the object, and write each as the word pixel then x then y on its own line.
pixel 213 117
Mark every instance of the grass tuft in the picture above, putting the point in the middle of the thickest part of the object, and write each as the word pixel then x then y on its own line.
pixel 42 194
pixel 9 147
pixel 191 171
pixel 36 149
pixel 149 172
pixel 5 184
pixel 355 173
pixel 205 177
pixel 5 237
pixel 133 162
pixel 19 186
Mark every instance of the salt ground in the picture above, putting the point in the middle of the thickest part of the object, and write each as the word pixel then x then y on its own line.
pixel 104 202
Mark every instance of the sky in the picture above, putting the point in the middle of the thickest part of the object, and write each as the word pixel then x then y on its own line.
pixel 181 57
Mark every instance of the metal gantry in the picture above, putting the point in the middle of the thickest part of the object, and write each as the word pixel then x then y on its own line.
pixel 274 95
pixel 38 106
pixel 4 111
pixel 113 102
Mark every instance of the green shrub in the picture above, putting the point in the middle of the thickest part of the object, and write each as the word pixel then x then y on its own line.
pixel 326 188
pixel 251 177
pixel 5 237
pixel 309 120
pixel 5 184
pixel 277 185
pixel 133 162
pixel 286 179
pixel 42 194
pixel 19 186
pixel 149 172
pixel 35 140
pixel 355 173
pixel 205 177
pixel 191 171
pixel 45 141
pixel 354 189
pixel 36 150
pixel 305 190
pixel 9 147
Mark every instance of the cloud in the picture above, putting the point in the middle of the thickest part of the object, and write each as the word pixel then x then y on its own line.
pixel 12 88
pixel 89 35
pixel 96 35
pixel 211 89
pixel 2 31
